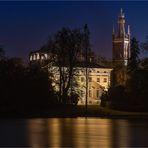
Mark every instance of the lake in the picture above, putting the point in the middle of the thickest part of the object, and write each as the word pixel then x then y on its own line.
pixel 74 132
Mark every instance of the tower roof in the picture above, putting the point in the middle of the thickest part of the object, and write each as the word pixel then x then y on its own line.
pixel 121 13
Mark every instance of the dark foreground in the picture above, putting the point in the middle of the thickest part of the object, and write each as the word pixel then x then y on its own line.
pixel 72 111
pixel 74 132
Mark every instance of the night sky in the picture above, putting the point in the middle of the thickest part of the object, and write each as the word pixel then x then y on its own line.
pixel 26 26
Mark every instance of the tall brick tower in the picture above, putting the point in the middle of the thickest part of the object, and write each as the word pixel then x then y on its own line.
pixel 120 51
pixel 121 43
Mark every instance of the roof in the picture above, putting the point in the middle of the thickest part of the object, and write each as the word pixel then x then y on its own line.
pixel 89 65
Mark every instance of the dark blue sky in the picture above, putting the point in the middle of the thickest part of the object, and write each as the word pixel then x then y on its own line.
pixel 25 26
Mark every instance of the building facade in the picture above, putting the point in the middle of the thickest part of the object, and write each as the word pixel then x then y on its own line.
pixel 98 78
pixel 98 82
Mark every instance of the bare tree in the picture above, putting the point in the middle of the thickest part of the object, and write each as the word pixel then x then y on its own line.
pixel 68 45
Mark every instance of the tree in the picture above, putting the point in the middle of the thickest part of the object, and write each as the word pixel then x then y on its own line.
pixel 137 72
pixel 144 45
pixel 67 46
pixel 144 63
pixel 2 53
pixel 103 61
pixel 134 57
pixel 24 89
pixel 87 51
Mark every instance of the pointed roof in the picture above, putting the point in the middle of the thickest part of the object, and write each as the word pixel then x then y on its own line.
pixel 121 13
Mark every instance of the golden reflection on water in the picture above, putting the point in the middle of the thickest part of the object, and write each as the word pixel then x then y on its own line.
pixel 92 133
pixel 78 132
pixel 54 130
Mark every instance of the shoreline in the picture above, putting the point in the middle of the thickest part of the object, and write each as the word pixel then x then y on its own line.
pixel 76 112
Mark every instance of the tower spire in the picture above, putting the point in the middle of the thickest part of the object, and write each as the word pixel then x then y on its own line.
pixel 113 29
pixel 128 31
pixel 121 12
pixel 121 24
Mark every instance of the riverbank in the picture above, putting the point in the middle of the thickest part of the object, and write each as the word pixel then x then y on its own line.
pixel 76 111
pixel 98 111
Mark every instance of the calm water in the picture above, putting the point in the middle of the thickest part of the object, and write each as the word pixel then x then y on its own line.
pixel 74 132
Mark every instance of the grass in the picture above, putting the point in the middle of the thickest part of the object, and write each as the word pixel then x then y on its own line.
pixel 98 111
pixel 75 111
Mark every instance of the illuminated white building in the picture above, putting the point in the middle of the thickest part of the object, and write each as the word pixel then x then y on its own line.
pixel 98 78
pixel 98 81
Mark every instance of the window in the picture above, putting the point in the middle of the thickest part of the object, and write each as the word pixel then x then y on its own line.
pixel 82 79
pixel 98 71
pixel 90 93
pixel 37 56
pixel 90 79
pixel 42 57
pixel 98 79
pixel 105 80
pixel 82 93
pixel 97 93
pixel 34 57
pixel 104 71
pixel 82 71
pixel 31 58
pixel 45 55
pixel 90 102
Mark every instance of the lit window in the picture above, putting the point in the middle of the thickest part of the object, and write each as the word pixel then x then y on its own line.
pixel 105 79
pixel 45 55
pixel 82 79
pixel 90 79
pixel 34 57
pixel 30 58
pixel 37 56
pixel 98 79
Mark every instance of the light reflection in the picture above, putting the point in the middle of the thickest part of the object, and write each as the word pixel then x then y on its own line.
pixel 78 132
pixel 120 130
pixel 37 133
pixel 124 134
pixel 93 133
pixel 55 132
pixel 74 132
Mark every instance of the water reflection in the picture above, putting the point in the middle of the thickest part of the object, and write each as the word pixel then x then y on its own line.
pixel 120 130
pixel 13 133
pixel 90 132
pixel 69 132
pixel 74 132
pixel 37 132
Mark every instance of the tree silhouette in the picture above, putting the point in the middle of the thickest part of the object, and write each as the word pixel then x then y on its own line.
pixel 134 57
